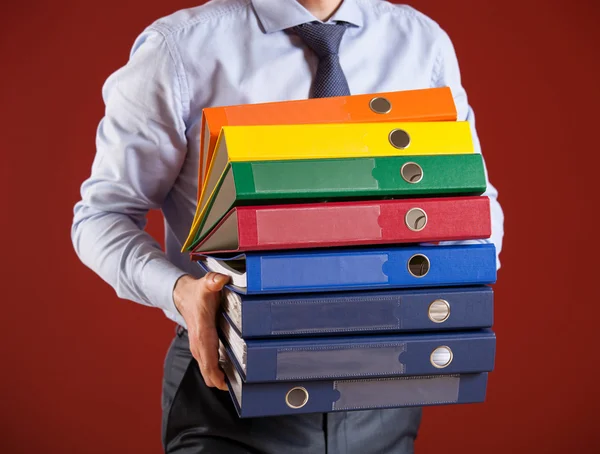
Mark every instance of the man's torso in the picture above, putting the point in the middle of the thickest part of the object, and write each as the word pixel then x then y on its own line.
pixel 226 58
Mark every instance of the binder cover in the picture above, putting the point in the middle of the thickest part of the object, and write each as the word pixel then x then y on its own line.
pixel 272 182
pixel 324 396
pixel 389 311
pixel 322 141
pixel 338 357
pixel 429 104
pixel 336 224
pixel 363 268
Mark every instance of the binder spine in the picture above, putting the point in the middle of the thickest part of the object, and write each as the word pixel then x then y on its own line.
pixel 345 224
pixel 368 312
pixel 360 178
pixel 363 359
pixel 372 268
pixel 275 399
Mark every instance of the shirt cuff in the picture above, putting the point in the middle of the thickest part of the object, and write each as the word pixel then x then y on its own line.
pixel 160 277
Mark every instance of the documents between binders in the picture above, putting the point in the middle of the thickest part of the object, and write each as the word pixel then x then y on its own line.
pixel 429 104
pixel 337 224
pixel 323 141
pixel 365 268
pixel 272 182
pixel 367 356
pixel 324 396
pixel 362 312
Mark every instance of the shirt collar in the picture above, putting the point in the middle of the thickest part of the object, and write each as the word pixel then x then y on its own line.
pixel 277 15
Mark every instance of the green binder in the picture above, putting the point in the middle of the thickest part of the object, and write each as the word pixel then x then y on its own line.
pixel 277 182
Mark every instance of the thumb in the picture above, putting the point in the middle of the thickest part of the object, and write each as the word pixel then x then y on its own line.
pixel 214 282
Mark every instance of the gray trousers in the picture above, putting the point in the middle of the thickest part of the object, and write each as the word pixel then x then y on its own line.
pixel 198 419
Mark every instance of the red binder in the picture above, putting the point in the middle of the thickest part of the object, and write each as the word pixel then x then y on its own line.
pixel 313 225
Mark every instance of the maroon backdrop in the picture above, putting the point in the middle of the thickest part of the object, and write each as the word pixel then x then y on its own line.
pixel 81 370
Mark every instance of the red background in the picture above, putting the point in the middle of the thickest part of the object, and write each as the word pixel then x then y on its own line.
pixel 81 370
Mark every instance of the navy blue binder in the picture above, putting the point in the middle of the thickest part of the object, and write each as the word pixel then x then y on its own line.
pixel 341 269
pixel 296 397
pixel 362 312
pixel 318 358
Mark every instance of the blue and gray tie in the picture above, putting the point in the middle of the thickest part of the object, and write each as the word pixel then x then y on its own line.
pixel 324 40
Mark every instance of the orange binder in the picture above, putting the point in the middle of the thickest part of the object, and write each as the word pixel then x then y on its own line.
pixel 427 104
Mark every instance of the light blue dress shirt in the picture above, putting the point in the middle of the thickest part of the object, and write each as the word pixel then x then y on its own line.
pixel 226 52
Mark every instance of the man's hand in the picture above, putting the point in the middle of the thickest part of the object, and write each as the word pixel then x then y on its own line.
pixel 198 301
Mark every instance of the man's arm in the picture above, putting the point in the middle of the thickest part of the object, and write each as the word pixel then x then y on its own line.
pixel 447 73
pixel 141 146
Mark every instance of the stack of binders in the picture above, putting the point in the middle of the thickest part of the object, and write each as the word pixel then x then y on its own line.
pixel 328 214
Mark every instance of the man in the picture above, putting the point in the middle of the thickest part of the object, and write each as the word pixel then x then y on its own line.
pixel 231 52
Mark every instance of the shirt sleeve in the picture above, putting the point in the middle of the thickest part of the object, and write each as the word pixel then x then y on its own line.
pixel 140 148
pixel 447 73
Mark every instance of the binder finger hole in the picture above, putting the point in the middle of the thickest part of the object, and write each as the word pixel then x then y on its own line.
pixel 416 219
pixel 411 172
pixel 439 311
pixel 296 397
pixel 380 105
pixel 441 357
pixel 399 138
pixel 418 265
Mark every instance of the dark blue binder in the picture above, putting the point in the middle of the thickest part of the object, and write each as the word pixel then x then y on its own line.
pixel 318 358
pixel 361 312
pixel 341 269
pixel 296 397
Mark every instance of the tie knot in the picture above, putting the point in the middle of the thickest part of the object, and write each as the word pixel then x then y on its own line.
pixel 323 39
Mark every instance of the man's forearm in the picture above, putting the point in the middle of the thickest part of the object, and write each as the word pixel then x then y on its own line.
pixel 126 257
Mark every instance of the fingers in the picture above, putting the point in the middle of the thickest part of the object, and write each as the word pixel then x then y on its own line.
pixel 202 331
pixel 197 354
pixel 206 354
pixel 207 347
pixel 204 343
pixel 214 282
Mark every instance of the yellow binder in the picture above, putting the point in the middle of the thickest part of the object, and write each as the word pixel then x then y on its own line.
pixel 325 141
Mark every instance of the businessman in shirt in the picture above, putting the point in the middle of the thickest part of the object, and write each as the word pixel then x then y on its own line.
pixel 230 52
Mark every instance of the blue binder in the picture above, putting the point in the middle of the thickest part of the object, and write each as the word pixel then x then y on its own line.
pixel 296 397
pixel 362 312
pixel 341 269
pixel 318 358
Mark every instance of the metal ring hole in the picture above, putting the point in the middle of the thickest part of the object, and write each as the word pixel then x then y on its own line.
pixel 416 219
pixel 418 265
pixel 411 172
pixel 439 311
pixel 296 397
pixel 380 105
pixel 399 138
pixel 441 357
